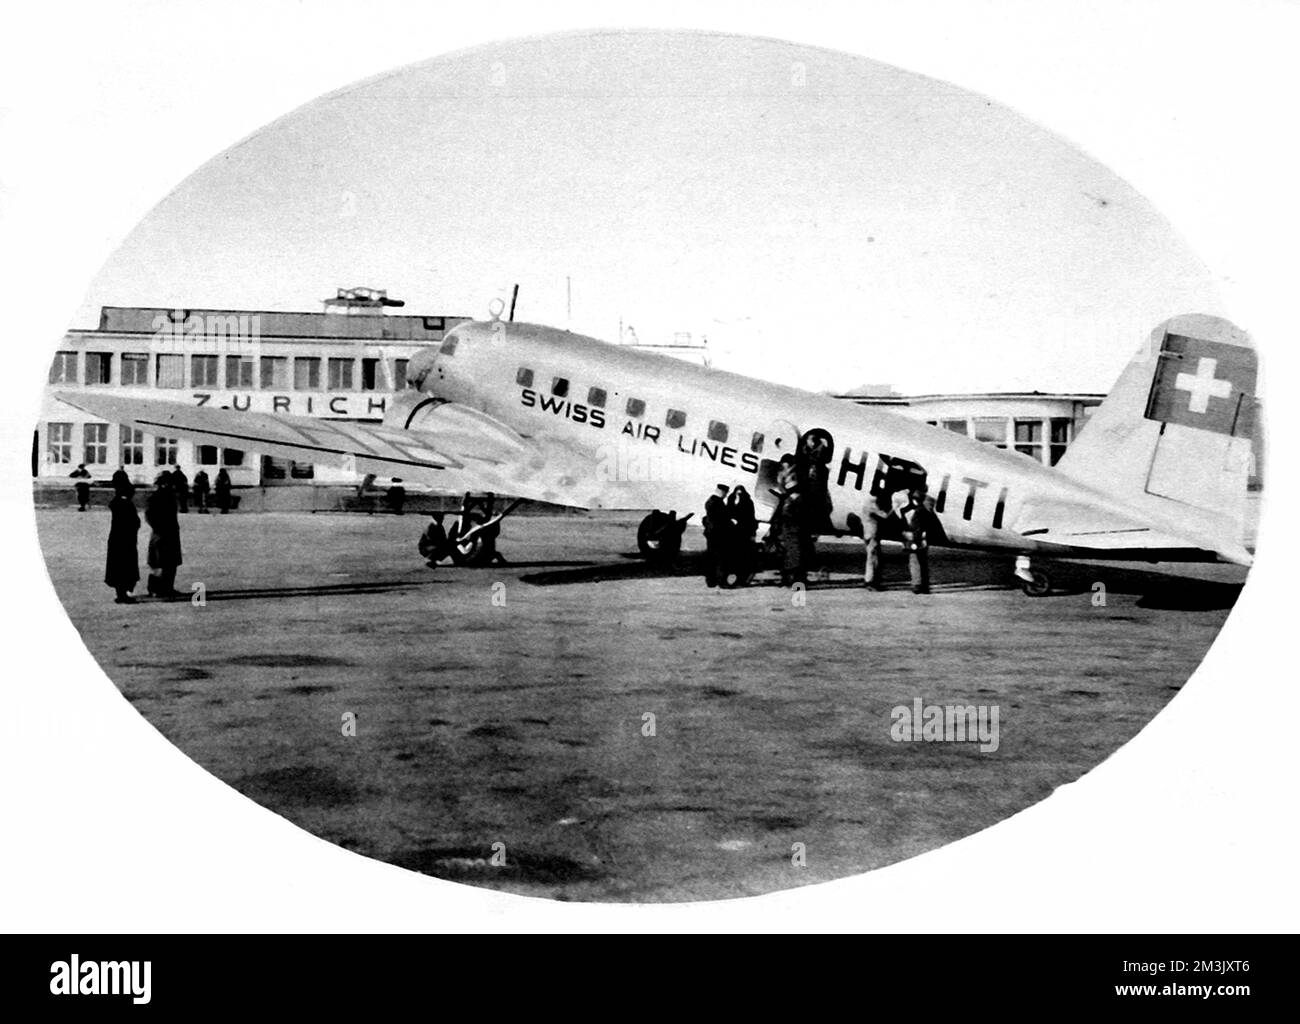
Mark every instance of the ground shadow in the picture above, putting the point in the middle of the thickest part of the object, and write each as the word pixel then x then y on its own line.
pixel 320 590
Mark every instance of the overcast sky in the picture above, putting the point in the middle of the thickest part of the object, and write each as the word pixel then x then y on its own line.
pixel 824 220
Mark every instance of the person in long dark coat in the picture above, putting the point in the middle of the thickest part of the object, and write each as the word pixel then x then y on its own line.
pixel 122 567
pixel 717 535
pixel 165 540
pixel 201 487
pixel 223 490
pixel 795 543
pixel 181 488
pixel 740 506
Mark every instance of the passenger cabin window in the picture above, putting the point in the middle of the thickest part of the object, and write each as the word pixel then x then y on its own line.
pixel 524 378
pixel 635 407
pixel 560 387
pixel 756 444
pixel 448 347
pixel 676 419
pixel 717 431
pixel 596 397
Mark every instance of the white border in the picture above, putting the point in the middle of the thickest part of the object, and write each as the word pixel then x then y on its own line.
pixel 109 828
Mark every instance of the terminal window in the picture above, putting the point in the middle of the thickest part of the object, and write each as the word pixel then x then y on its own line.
pixel 232 457
pixel 956 426
pixel 991 430
pixel 524 378
pixel 64 368
pixel 399 373
pixel 1029 438
pixel 275 372
pixel 369 374
pixel 166 451
pixel 135 368
pixel 717 431
pixel 676 419
pixel 58 442
pixel 635 407
pixel 170 372
pixel 239 372
pixel 340 374
pixel 96 447
pixel 306 373
pixel 99 367
pixel 207 454
pixel 1062 431
pixel 203 371
pixel 596 397
pixel 132 447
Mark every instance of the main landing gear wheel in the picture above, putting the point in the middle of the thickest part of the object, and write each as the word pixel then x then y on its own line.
pixel 466 552
pixel 659 537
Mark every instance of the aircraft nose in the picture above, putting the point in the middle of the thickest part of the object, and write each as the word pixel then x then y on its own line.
pixel 419 368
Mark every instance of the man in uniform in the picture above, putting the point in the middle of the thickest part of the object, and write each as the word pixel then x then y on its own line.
pixel 717 534
pixel 201 489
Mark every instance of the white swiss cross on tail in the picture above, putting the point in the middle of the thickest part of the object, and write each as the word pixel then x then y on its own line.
pixel 1202 384
pixel 1205 384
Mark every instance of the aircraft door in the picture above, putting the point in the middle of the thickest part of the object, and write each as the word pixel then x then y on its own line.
pixel 780 438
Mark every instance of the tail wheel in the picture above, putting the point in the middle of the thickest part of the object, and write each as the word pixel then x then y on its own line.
pixel 465 552
pixel 1039 586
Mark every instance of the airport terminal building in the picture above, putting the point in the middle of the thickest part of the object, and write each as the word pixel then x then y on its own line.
pixel 335 364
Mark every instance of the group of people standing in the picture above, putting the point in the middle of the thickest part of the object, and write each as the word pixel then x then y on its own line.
pixel 803 513
pixel 168 499
pixel 122 567
pixel 730 524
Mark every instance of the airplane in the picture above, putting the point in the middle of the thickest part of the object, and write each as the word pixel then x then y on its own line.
pixel 1158 472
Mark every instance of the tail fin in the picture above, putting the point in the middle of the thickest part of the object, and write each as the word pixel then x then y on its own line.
pixel 1174 436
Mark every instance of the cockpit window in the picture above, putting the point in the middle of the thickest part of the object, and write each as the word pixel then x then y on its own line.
pixel 448 345
pixel 524 378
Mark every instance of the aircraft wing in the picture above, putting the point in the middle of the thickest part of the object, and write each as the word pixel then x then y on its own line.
pixel 1080 526
pixel 447 445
